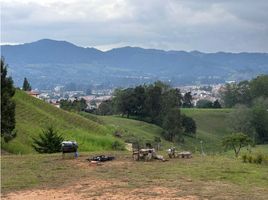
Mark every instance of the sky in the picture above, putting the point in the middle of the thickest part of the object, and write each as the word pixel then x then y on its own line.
pixel 203 25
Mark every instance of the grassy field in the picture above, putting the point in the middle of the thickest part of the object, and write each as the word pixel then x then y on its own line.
pixel 211 128
pixel 131 129
pixel 209 177
pixel 32 115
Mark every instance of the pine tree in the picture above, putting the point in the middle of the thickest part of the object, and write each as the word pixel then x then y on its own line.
pixel 7 104
pixel 48 142
pixel 26 85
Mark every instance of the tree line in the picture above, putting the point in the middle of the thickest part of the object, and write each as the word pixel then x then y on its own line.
pixel 250 102
pixel 76 105
pixel 245 92
pixel 8 105
pixel 156 103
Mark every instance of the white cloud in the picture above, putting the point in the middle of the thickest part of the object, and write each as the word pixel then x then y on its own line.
pixel 205 25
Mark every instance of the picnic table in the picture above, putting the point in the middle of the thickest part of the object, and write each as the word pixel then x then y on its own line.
pixel 185 154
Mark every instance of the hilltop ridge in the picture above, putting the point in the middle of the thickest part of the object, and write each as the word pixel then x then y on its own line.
pixel 58 62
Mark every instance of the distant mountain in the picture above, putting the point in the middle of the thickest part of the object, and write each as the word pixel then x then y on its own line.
pixel 47 63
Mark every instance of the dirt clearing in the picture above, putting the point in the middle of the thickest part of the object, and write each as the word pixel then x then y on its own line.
pixel 96 189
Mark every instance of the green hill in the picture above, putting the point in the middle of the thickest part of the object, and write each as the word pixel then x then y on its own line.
pixel 211 128
pixel 95 133
pixel 32 115
pixel 130 129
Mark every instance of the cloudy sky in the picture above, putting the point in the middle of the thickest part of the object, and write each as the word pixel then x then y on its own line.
pixel 204 25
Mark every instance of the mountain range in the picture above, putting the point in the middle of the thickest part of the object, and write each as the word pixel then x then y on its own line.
pixel 47 63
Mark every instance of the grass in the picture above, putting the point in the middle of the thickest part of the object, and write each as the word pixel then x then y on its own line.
pixel 211 128
pixel 130 128
pixel 33 115
pixel 204 177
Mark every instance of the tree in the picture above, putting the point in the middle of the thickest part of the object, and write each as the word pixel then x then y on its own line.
pixel 172 125
pixel 236 142
pixel 125 101
pixel 77 105
pixel 188 124
pixel 140 97
pixel 105 108
pixel 229 95
pixel 243 93
pixel 26 85
pixel 153 103
pixel 259 87
pixel 240 119
pixel 203 103
pixel 170 99
pixel 49 141
pixel 216 104
pixel 260 119
pixel 187 100
pixel 236 94
pixel 7 104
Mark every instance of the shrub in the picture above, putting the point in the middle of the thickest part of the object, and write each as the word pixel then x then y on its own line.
pixel 48 142
pixel 119 146
pixel 244 158
pixel 250 158
pixel 188 125
pixel 259 158
pixel 117 134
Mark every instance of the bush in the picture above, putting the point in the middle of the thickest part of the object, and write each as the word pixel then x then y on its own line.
pixel 48 142
pixel 259 158
pixel 250 158
pixel 244 158
pixel 188 125
pixel 119 146
pixel 118 134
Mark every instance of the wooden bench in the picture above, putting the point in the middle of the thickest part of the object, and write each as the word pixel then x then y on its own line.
pixel 185 154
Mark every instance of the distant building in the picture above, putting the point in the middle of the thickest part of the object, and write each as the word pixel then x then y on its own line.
pixel 57 104
pixel 33 94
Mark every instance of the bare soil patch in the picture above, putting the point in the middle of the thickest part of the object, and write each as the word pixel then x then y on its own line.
pixel 98 189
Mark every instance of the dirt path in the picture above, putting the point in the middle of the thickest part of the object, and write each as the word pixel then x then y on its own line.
pixel 97 189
